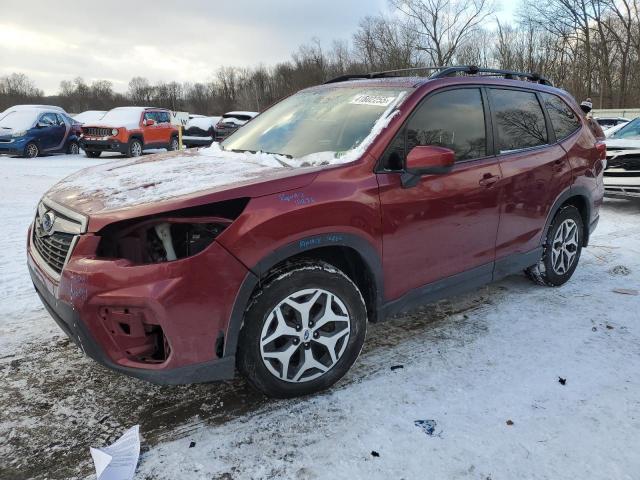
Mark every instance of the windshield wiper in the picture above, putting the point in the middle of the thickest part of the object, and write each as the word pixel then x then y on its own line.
pixel 238 150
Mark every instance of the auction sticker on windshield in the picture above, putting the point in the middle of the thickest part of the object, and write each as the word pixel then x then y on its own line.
pixel 375 100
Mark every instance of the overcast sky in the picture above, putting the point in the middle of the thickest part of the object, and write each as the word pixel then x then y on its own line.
pixel 177 40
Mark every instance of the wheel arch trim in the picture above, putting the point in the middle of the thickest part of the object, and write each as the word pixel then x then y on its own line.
pixel 308 244
pixel 571 192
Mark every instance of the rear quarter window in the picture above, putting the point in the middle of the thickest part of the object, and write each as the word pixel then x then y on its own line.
pixel 563 119
pixel 518 119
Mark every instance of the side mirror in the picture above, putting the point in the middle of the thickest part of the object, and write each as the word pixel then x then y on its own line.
pixel 41 125
pixel 426 160
pixel 149 122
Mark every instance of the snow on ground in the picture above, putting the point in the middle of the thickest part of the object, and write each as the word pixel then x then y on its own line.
pixel 470 365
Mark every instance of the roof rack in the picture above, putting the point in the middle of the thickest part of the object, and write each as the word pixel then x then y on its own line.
pixel 442 72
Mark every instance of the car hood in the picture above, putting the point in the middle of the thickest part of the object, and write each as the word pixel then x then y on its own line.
pixel 168 181
pixel 100 124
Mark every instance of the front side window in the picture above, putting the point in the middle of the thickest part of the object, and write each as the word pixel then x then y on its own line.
pixel 518 119
pixel 49 119
pixel 563 119
pixel 453 119
pixel 335 120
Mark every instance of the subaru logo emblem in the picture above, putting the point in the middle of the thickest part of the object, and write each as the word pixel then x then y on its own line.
pixel 47 220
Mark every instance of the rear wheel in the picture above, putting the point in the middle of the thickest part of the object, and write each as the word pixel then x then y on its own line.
pixel 31 150
pixel 562 249
pixel 303 330
pixel 135 148
pixel 92 153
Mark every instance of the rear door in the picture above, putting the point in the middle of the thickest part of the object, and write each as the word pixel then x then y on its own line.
pixel 446 224
pixel 164 127
pixel 535 169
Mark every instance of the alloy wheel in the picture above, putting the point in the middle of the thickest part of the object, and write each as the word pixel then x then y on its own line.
pixel 136 149
pixel 305 335
pixel 32 150
pixel 564 247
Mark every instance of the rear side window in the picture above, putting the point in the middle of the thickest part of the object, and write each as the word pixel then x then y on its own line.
pixel 563 118
pixel 518 119
pixel 49 119
pixel 453 119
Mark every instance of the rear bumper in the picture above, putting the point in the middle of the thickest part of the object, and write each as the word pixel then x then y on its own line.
pixel 103 145
pixel 113 313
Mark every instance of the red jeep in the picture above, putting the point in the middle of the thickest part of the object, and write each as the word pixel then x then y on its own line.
pixel 341 205
pixel 129 130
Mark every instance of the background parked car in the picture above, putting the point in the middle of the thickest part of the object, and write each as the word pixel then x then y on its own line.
pixel 608 122
pixel 129 130
pixel 89 116
pixel 622 175
pixel 200 131
pixel 31 131
pixel 230 122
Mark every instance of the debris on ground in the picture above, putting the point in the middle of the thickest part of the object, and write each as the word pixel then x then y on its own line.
pixel 119 460
pixel 626 291
pixel 374 453
pixel 509 422
pixel 428 426
pixel 396 367
pixel 192 444
pixel 563 381
pixel 620 270
pixel 609 327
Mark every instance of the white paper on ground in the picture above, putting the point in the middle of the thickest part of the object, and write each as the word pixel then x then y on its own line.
pixel 119 460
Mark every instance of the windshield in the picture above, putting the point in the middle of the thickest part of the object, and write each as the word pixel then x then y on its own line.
pixel 324 120
pixel 630 130
pixel 18 120
pixel 122 115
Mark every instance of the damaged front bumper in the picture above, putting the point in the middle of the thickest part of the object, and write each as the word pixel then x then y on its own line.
pixel 164 323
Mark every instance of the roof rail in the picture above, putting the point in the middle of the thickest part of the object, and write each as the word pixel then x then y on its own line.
pixel 442 72
pixel 497 72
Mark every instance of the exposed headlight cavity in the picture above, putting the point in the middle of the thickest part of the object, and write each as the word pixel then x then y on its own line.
pixel 172 236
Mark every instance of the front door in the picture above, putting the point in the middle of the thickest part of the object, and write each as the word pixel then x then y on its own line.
pixel 51 131
pixel 447 224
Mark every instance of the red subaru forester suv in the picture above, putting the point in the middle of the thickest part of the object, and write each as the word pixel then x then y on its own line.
pixel 341 205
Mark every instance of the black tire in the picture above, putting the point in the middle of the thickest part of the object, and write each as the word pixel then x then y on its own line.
pixel 31 150
pixel 92 153
pixel 73 148
pixel 260 314
pixel 173 144
pixel 135 148
pixel 545 272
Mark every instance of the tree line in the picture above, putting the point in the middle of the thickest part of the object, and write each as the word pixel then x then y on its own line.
pixel 589 47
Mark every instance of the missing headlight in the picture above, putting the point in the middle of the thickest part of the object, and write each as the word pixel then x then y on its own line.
pixel 163 240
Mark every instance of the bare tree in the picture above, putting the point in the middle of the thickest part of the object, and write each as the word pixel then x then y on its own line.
pixel 444 25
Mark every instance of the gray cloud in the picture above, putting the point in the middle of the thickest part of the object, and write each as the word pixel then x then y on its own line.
pixel 163 40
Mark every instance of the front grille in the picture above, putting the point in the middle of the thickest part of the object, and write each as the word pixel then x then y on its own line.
pixel 97 132
pixel 53 248
pixel 53 244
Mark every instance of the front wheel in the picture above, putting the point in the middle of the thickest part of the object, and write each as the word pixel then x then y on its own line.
pixel 561 250
pixel 135 148
pixel 173 144
pixel 31 150
pixel 302 331
pixel 73 149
